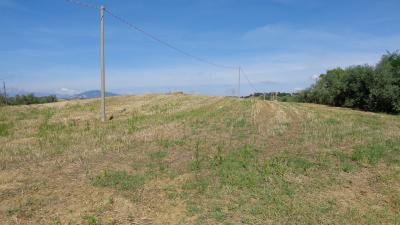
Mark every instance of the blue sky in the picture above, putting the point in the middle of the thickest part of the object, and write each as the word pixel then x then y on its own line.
pixel 53 46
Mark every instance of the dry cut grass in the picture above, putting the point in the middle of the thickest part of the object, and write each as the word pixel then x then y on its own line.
pixel 179 159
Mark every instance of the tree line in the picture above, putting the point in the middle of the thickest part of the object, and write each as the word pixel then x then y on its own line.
pixel 279 96
pixel 28 99
pixel 365 87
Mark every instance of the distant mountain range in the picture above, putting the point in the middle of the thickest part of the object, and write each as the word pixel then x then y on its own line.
pixel 90 94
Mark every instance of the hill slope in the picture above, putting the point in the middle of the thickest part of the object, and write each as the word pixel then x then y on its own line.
pixel 176 159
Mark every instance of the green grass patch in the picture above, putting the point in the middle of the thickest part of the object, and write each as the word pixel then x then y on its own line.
pixel 238 168
pixel 240 122
pixel 287 163
pixel 157 164
pixel 332 121
pixel 26 208
pixel 158 154
pixel 5 129
pixel 120 180
pixel 46 128
pixel 135 122
pixel 91 220
pixel 218 214
pixel 192 208
pixel 387 151
pixel 344 162
pixel 199 183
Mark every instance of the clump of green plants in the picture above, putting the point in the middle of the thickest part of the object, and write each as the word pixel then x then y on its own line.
pixel 46 128
pixel 26 208
pixel 91 220
pixel 157 163
pixel 167 143
pixel 344 161
pixel 134 123
pixel 158 155
pixel 4 129
pixel 239 168
pixel 218 214
pixel 284 163
pixel 196 164
pixel 199 183
pixel 374 153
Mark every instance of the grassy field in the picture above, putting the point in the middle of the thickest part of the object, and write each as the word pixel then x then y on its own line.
pixel 179 159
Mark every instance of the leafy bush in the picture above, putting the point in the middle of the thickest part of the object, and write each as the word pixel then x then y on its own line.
pixel 371 88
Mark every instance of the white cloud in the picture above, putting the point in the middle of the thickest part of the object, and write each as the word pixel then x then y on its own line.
pixel 67 91
pixel 287 37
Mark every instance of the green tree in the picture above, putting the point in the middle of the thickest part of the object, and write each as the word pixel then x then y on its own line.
pixel 372 88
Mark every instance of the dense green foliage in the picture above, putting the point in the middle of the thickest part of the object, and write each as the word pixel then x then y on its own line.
pixel 28 99
pixel 371 88
pixel 279 96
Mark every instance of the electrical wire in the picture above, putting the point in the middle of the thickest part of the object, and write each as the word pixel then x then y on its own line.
pixel 149 35
pixel 248 80
pixel 153 37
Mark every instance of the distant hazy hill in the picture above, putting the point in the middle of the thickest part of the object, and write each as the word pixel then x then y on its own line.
pixel 91 94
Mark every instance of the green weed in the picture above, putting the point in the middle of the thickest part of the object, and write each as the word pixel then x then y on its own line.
pixel 91 220
pixel 166 143
pixel 158 155
pixel 345 162
pixel 239 168
pixel 199 183
pixel 218 214
pixel 372 154
pixel 4 129
pixel 134 123
pixel 192 208
pixel 46 128
pixel 157 164
pixel 196 164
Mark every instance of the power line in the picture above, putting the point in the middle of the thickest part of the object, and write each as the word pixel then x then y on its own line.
pixel 248 80
pixel 153 37
pixel 5 92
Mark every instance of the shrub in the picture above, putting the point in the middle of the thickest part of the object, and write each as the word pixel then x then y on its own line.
pixel 372 88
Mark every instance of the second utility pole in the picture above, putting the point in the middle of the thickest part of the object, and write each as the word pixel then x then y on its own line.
pixel 5 92
pixel 102 104
pixel 239 84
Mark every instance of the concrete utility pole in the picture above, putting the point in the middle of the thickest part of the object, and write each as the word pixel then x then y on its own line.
pixel 239 83
pixel 102 105
pixel 5 92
